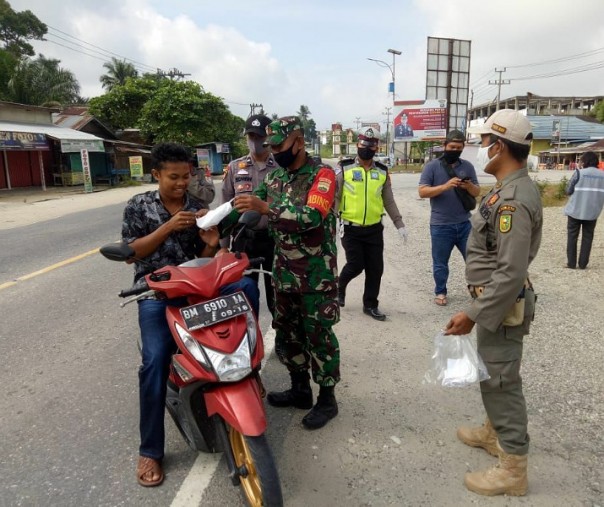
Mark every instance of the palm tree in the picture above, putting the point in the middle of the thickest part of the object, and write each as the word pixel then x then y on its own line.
pixel 117 73
pixel 41 81
pixel 303 113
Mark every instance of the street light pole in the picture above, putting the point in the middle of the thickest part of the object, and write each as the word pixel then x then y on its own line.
pixel 392 69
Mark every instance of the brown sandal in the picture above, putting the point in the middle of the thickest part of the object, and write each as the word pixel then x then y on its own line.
pixel 441 300
pixel 149 466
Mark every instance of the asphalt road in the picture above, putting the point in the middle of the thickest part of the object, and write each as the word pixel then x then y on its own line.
pixel 69 410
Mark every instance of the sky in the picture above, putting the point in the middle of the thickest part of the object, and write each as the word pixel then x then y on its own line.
pixel 283 54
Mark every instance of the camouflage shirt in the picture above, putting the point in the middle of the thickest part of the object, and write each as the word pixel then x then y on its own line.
pixel 144 214
pixel 302 222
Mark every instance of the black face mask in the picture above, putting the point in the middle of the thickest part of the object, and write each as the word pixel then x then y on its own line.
pixel 286 158
pixel 365 153
pixel 451 156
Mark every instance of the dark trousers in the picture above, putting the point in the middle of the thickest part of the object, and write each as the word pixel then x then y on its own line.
pixel 263 246
pixel 364 248
pixel 587 236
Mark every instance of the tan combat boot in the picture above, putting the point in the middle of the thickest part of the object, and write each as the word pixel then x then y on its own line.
pixel 484 436
pixel 508 477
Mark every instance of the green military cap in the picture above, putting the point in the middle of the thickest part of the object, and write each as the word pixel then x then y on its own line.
pixel 278 130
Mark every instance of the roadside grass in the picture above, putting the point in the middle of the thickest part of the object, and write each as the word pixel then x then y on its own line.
pixel 552 194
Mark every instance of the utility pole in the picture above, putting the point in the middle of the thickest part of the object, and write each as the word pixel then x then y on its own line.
pixel 357 121
pixel 172 73
pixel 387 114
pixel 499 82
pixel 253 108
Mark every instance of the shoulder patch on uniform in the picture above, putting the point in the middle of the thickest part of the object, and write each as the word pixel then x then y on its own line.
pixel 505 223
pixel 242 164
pixel 493 199
pixel 506 207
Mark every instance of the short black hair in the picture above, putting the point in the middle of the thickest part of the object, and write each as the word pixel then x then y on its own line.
pixel 589 159
pixel 519 152
pixel 168 152
pixel 455 136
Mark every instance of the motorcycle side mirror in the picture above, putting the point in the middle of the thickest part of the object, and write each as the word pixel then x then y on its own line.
pixel 250 219
pixel 120 252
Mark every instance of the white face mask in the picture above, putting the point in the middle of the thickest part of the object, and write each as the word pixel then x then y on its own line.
pixel 483 159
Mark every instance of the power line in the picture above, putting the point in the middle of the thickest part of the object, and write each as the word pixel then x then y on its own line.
pixel 100 48
pixel 563 72
pixel 558 60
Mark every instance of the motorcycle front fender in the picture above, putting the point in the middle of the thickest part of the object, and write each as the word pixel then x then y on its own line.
pixel 240 405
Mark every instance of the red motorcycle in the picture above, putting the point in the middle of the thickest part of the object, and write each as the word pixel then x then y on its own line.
pixel 214 390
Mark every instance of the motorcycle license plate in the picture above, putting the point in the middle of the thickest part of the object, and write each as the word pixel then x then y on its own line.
pixel 214 311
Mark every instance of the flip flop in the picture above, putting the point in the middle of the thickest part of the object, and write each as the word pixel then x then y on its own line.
pixel 146 466
pixel 441 300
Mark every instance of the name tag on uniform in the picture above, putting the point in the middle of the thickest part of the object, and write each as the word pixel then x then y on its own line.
pixel 242 171
pixel 374 175
pixel 357 176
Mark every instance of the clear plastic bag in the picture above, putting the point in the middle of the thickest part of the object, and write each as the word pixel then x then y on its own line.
pixel 455 362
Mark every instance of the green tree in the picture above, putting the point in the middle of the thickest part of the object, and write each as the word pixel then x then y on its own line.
pixel 599 111
pixel 121 107
pixel 41 81
pixel 16 28
pixel 8 62
pixel 117 73
pixel 181 111
pixel 303 113
pixel 308 124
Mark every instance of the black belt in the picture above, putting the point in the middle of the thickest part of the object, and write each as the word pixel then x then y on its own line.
pixel 354 224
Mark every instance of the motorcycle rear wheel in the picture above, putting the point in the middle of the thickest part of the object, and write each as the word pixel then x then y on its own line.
pixel 261 486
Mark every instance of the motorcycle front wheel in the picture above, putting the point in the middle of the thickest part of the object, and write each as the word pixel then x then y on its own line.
pixel 261 486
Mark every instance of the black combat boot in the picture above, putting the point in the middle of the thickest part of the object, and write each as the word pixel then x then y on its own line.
pixel 299 396
pixel 341 298
pixel 325 409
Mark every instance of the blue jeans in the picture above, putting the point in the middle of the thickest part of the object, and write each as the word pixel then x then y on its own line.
pixel 158 347
pixel 444 239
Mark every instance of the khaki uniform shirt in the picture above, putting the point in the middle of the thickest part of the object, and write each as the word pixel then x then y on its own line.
pixel 243 177
pixel 505 238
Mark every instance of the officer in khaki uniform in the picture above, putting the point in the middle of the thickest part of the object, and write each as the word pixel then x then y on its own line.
pixel 505 238
pixel 243 176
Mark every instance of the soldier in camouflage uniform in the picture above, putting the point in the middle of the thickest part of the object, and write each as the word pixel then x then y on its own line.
pixel 298 199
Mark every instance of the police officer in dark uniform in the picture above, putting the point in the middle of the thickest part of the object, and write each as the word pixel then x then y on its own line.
pixel 242 177
pixel 505 238
pixel 364 191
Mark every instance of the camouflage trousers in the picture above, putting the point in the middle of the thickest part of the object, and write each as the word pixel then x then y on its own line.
pixel 304 338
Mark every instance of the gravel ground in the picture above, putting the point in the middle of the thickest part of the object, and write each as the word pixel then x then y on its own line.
pixel 394 441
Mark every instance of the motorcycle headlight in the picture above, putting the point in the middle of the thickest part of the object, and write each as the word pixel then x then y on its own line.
pixel 192 346
pixel 232 367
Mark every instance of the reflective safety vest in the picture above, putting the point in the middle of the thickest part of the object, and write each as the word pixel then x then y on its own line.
pixel 362 201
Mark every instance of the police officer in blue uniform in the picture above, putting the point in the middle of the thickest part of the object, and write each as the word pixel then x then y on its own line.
pixel 242 177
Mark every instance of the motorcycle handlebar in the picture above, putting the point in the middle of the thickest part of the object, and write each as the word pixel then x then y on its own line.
pixel 139 288
pixel 256 261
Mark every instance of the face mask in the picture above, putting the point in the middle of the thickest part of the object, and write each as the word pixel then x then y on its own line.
pixel 482 157
pixel 256 146
pixel 286 158
pixel 365 153
pixel 451 157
